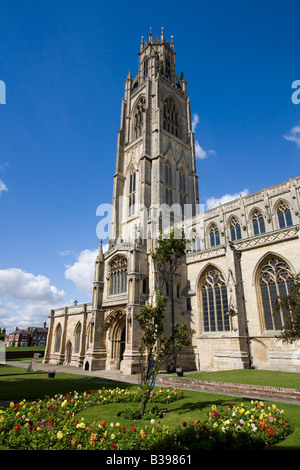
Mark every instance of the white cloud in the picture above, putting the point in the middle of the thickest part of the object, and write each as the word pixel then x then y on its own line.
pixel 22 285
pixel 293 135
pixel 82 271
pixel 26 299
pixel 67 253
pixel 2 187
pixel 195 120
pixel 214 202
pixel 199 151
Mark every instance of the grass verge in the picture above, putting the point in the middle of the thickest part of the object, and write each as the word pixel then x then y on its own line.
pixel 195 405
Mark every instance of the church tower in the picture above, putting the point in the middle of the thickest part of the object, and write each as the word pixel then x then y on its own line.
pixel 155 187
pixel 155 165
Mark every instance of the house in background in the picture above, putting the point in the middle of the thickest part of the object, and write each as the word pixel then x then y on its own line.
pixel 38 335
pixel 18 337
pixel 32 336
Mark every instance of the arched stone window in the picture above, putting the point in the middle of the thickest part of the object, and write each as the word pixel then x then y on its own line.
pixel 214 235
pixel 168 173
pixel 171 123
pixel 118 275
pixel 145 67
pixel 168 69
pixel 258 222
pixel 182 187
pixel 77 337
pixel 58 334
pixel 169 196
pixel 284 215
pixel 235 229
pixel 214 301
pixel 139 118
pixel 275 279
pixel 132 190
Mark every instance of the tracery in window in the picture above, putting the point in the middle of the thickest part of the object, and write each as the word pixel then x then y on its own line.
pixel 214 235
pixel 275 279
pixel 214 301
pixel 235 229
pixel 171 123
pixel 139 118
pixel 258 222
pixel 118 275
pixel 284 215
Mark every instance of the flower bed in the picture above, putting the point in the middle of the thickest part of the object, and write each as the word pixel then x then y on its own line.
pixel 52 424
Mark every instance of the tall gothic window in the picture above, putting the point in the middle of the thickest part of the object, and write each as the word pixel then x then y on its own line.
pixel 168 174
pixel 168 69
pixel 258 222
pixel 77 337
pixel 118 275
pixel 182 181
pixel 145 65
pixel 235 229
pixel 171 123
pixel 284 215
pixel 214 301
pixel 131 196
pixel 275 279
pixel 58 338
pixel 196 244
pixel 214 235
pixel 139 118
pixel 169 196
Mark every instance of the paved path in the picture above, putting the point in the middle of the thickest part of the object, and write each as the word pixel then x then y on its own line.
pixel 108 374
pixel 118 376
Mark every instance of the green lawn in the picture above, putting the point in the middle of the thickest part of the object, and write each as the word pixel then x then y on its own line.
pixel 195 405
pixel 252 376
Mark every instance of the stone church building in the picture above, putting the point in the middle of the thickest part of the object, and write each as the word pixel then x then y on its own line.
pixel 241 255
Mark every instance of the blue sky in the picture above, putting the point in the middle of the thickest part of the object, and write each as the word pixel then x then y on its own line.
pixel 64 64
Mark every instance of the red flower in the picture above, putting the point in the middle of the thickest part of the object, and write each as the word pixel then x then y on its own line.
pixel 184 424
pixel 271 431
pixel 115 446
pixel 230 407
pixel 16 428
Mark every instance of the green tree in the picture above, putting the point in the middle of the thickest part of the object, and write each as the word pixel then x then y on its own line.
pixel 155 348
pixel 291 304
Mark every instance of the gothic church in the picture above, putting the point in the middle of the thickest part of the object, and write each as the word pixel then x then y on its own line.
pixel 241 256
